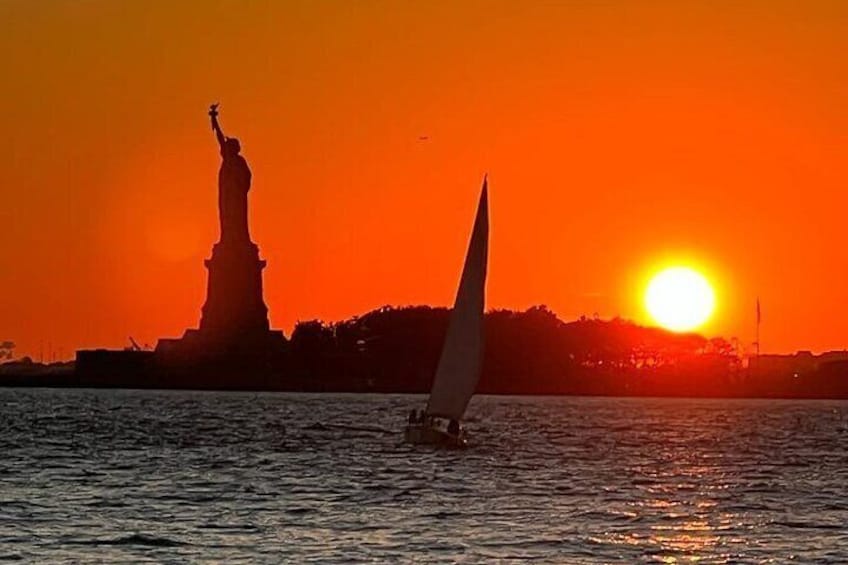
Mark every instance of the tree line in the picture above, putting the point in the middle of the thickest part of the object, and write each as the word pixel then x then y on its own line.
pixel 530 352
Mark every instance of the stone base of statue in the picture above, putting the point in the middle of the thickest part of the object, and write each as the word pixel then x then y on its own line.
pixel 234 306
pixel 234 332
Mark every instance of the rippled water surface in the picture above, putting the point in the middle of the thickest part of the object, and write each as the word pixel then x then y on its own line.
pixel 132 476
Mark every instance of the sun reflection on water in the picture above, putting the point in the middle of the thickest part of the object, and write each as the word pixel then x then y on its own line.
pixel 679 496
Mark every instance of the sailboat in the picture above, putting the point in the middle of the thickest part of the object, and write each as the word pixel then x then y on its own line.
pixel 462 353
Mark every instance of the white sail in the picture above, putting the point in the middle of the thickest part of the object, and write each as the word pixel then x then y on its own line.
pixel 462 354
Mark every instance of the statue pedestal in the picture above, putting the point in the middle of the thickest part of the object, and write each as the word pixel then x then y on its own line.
pixel 234 309
pixel 234 328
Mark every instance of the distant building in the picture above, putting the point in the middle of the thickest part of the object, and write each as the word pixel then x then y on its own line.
pixel 799 363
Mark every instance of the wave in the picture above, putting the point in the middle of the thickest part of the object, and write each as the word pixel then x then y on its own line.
pixel 442 514
pixel 318 426
pixel 299 510
pixel 230 527
pixel 808 525
pixel 134 539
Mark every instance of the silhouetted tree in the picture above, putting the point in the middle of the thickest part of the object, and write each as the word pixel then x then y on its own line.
pixel 6 348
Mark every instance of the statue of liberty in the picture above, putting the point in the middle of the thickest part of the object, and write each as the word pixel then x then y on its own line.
pixel 234 328
pixel 233 185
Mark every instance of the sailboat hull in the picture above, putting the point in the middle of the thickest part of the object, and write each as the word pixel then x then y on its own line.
pixel 418 434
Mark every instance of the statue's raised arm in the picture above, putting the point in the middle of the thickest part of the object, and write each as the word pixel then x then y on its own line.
pixel 213 114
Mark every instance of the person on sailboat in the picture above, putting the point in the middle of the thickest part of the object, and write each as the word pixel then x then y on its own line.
pixel 413 416
pixel 453 428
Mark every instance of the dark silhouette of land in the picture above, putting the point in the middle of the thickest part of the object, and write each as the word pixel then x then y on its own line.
pixel 534 352
pixel 530 352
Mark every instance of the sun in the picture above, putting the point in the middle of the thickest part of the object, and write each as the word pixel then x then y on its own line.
pixel 680 299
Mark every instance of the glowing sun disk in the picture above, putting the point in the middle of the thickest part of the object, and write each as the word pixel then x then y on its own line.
pixel 679 299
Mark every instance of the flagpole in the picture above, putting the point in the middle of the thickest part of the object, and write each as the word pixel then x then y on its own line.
pixel 759 319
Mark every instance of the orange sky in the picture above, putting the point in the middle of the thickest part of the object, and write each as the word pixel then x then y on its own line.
pixel 617 137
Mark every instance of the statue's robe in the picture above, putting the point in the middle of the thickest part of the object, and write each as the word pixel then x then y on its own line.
pixel 233 185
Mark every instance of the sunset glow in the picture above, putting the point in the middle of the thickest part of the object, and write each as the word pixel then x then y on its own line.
pixel 613 132
pixel 680 299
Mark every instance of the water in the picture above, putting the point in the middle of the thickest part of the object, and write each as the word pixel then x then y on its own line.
pixel 134 477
